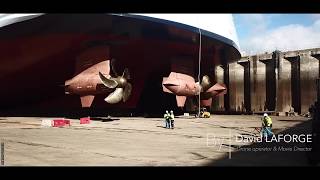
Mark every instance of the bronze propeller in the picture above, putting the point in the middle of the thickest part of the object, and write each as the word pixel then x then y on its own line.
pixel 121 85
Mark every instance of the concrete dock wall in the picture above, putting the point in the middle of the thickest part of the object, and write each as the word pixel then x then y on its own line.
pixel 236 87
pixel 218 102
pixel 274 81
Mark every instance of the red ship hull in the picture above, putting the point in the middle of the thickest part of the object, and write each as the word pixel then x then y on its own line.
pixel 38 56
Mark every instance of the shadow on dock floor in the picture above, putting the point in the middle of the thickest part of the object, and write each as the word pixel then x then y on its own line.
pixel 282 153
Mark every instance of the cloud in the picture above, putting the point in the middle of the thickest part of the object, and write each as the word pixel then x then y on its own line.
pixel 254 22
pixel 283 38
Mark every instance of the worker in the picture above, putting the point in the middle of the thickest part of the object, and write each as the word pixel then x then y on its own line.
pixel 171 119
pixel 167 119
pixel 205 113
pixel 201 112
pixel 291 111
pixel 266 125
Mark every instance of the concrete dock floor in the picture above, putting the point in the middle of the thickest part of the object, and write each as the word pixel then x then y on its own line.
pixel 138 141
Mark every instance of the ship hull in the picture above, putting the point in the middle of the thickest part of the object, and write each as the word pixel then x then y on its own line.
pixel 39 55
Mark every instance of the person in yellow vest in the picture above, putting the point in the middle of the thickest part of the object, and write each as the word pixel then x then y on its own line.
pixel 171 119
pixel 167 118
pixel 266 125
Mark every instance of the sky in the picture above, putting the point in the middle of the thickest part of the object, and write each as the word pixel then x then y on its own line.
pixel 260 33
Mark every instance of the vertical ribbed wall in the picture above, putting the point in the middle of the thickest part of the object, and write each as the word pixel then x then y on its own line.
pixel 273 82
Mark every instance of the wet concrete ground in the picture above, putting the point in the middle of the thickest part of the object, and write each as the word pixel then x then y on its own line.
pixel 140 141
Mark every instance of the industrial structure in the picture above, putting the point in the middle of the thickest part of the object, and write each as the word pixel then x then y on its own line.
pixel 278 82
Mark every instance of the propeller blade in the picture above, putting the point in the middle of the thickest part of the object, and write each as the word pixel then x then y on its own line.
pixel 126 73
pixel 115 96
pixel 113 67
pixel 108 82
pixel 127 92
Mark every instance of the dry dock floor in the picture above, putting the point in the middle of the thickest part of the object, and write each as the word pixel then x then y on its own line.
pixel 138 141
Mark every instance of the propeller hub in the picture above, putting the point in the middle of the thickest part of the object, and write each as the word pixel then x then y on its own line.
pixel 122 82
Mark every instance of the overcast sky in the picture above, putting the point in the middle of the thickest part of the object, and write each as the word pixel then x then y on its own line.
pixel 260 33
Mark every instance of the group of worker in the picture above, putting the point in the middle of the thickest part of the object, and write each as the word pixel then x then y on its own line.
pixel 169 119
pixel 266 123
